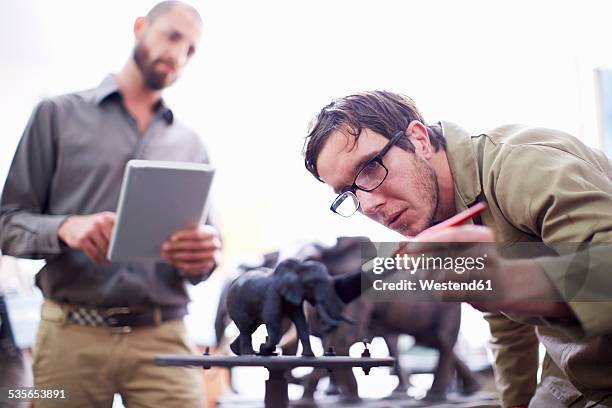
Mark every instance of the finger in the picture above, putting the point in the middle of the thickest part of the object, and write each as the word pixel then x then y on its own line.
pixel 107 228
pixel 90 250
pixel 200 232
pixel 109 216
pixel 190 256
pixel 100 238
pixel 100 241
pixel 101 226
pixel 196 245
pixel 188 234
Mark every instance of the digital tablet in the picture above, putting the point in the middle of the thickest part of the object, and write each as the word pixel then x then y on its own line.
pixel 157 199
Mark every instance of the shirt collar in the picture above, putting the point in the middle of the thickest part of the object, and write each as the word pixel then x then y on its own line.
pixel 463 162
pixel 164 111
pixel 109 87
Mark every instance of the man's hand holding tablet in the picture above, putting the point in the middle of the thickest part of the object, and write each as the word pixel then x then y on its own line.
pixel 193 251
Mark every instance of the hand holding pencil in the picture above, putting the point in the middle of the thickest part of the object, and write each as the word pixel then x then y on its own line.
pixel 452 230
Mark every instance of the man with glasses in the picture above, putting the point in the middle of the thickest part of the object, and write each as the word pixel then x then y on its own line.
pixel 381 158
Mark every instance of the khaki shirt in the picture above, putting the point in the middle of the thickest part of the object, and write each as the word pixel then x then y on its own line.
pixel 542 185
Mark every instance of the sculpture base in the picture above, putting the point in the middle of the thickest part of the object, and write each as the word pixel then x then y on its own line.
pixel 278 366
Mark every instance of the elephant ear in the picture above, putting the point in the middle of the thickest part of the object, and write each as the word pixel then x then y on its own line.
pixel 312 271
pixel 288 282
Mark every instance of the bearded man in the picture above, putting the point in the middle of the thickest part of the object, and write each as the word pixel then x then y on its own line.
pixel 103 323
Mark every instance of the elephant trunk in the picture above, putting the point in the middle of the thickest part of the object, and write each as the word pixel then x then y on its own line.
pixel 329 309
pixel 328 323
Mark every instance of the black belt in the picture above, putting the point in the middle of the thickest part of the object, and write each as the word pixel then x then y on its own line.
pixel 123 319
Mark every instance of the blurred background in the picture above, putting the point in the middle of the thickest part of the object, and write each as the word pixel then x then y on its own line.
pixel 264 69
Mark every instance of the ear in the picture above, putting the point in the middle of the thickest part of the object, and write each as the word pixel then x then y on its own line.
pixel 288 283
pixel 313 270
pixel 418 135
pixel 315 278
pixel 139 27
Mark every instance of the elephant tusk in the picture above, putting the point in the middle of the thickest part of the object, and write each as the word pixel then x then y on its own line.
pixel 326 319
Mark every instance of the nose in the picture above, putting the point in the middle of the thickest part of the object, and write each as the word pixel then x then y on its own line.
pixel 370 202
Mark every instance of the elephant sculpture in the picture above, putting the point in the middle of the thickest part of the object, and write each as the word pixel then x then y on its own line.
pixel 432 324
pixel 266 296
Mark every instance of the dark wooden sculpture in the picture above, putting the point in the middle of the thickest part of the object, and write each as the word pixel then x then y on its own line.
pixel 266 296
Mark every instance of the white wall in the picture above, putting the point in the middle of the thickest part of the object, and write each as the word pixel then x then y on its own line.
pixel 266 67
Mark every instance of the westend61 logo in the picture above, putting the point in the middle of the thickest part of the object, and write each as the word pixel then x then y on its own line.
pixel 412 263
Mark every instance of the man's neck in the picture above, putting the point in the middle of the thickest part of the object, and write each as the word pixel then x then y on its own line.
pixel 133 88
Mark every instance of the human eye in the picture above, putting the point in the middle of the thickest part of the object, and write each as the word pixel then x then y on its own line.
pixel 174 36
pixel 369 169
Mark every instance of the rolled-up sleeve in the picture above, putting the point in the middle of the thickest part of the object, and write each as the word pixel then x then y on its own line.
pixel 26 229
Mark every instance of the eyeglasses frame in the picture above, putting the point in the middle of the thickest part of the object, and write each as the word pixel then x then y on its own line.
pixel 353 187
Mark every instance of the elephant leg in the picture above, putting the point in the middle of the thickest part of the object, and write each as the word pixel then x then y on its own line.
pixel 289 342
pixel 437 392
pixel 235 346
pixel 469 382
pixel 343 378
pixel 273 314
pixel 246 343
pixel 442 373
pixel 391 341
pixel 298 318
pixel 242 344
pixel 332 387
pixel 312 380
pixel 274 335
pixel 445 337
pixel 292 379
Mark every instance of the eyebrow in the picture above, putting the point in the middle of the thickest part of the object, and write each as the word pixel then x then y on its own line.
pixel 356 168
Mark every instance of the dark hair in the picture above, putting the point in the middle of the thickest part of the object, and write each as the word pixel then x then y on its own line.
pixel 381 111
pixel 165 6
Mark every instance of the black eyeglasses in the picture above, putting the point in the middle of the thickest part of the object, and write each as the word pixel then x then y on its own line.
pixel 368 179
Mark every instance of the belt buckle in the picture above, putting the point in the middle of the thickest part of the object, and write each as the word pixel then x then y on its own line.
pixel 111 321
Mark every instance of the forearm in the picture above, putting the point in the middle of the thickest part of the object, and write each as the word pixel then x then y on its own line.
pixel 29 235
pixel 522 287
pixel 25 229
pixel 519 286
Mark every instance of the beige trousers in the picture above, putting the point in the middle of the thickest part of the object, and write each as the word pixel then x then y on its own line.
pixel 93 363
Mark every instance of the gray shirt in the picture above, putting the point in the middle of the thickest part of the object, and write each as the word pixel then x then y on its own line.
pixel 70 160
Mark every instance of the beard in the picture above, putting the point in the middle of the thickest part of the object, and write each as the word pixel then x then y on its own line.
pixel 428 189
pixel 154 80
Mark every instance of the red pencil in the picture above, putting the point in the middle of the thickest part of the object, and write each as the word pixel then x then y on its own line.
pixel 457 219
